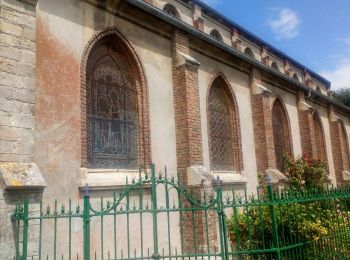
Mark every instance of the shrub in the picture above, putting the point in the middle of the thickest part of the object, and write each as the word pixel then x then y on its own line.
pixel 304 173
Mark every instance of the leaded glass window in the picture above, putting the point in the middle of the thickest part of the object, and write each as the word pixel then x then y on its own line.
pixel 280 133
pixel 112 111
pixel 320 146
pixel 221 129
pixel 345 146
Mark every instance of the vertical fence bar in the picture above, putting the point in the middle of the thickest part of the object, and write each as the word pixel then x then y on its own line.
pixel 40 227
pixel 154 213
pixel 274 224
pixel 18 223
pixel 25 229
pixel 86 224
pixel 222 220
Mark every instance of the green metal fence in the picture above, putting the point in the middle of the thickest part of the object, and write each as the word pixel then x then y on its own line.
pixel 156 217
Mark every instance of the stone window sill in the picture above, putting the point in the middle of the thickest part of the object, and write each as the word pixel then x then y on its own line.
pixel 229 177
pixel 108 179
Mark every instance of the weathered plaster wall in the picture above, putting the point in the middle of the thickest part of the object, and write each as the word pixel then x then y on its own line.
pixel 64 28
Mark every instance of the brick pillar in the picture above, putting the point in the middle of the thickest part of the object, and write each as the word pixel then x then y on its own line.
pixel 262 124
pixel 198 21
pixel 236 42
pixel 189 143
pixel 264 56
pixel 287 69
pixel 307 79
pixel 340 150
pixel 306 125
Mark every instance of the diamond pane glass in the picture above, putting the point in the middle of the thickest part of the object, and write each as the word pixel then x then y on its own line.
pixel 280 134
pixel 345 147
pixel 220 127
pixel 320 147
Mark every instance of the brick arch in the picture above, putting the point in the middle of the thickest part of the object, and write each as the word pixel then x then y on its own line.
pixel 220 81
pixel 319 136
pixel 281 132
pixel 137 77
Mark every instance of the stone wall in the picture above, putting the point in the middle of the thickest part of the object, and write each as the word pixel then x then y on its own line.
pixel 17 80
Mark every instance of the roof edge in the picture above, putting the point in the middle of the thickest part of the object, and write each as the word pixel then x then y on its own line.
pixel 205 37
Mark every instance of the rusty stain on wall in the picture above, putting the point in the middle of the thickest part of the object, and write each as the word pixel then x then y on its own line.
pixel 57 149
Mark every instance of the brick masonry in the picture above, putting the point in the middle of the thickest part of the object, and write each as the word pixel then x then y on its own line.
pixel 262 125
pixel 189 142
pixel 340 147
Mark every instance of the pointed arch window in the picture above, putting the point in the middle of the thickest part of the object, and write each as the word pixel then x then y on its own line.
pixel 248 51
pixel 223 128
pixel 319 137
pixel 115 129
pixel 345 147
pixel 281 135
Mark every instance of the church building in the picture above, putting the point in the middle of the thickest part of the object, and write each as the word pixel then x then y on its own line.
pixel 92 91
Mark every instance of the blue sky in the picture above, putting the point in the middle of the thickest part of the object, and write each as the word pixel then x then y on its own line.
pixel 314 32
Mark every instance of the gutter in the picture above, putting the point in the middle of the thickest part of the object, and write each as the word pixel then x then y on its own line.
pixel 205 37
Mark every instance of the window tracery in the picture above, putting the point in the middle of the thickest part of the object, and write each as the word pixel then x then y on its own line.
pixel 112 116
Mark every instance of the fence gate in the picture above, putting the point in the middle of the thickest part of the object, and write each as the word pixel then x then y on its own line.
pixel 156 217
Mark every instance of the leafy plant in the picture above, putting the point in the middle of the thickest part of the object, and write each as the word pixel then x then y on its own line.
pixel 305 173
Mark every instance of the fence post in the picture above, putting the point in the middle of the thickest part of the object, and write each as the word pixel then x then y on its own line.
pixel 86 221
pixel 222 220
pixel 25 229
pixel 154 213
pixel 273 220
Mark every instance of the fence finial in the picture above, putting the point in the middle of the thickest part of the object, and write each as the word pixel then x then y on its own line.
pixel 87 190
pixel 268 178
pixel 218 181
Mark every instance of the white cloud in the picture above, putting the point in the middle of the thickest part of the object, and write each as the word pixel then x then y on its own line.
pixel 211 2
pixel 286 24
pixel 340 75
pixel 346 40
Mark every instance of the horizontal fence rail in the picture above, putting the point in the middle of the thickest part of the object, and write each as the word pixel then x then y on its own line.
pixel 156 217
